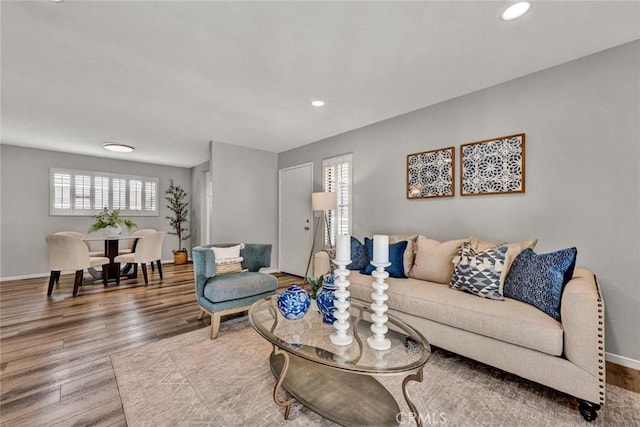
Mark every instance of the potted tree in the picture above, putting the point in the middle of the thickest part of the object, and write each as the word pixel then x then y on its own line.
pixel 110 221
pixel 177 204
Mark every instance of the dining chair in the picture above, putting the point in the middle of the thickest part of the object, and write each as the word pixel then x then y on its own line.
pixel 70 253
pixel 148 249
pixel 80 236
pixel 131 244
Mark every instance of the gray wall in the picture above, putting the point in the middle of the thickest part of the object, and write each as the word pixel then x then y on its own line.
pixel 582 173
pixel 24 214
pixel 245 196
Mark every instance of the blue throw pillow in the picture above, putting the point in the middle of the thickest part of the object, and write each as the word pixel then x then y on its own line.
pixel 359 257
pixel 396 254
pixel 539 279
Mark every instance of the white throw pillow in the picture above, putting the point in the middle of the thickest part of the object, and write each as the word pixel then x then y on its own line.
pixel 230 252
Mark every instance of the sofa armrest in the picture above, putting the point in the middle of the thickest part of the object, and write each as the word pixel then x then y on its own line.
pixel 582 314
pixel 321 264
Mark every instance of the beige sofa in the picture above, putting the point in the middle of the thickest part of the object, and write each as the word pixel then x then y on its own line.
pixel 509 335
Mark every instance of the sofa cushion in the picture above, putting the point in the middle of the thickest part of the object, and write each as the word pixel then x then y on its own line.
pixel 510 320
pixel 359 257
pixel 540 279
pixel 409 252
pixel 396 256
pixel 513 251
pixel 229 287
pixel 433 259
pixel 478 272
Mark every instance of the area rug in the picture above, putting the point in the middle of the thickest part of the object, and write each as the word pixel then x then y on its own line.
pixel 189 380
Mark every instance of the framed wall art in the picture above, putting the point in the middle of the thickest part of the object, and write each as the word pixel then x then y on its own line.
pixel 431 174
pixel 493 166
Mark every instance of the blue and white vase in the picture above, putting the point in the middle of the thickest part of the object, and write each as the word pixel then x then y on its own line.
pixel 294 302
pixel 325 298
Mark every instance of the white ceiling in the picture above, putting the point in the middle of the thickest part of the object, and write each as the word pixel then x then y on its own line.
pixel 168 76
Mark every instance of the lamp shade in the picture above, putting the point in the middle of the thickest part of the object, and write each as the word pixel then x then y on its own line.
pixel 324 201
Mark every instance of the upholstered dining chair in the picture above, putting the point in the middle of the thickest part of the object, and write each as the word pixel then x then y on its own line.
pixel 132 243
pixel 80 236
pixel 70 253
pixel 148 249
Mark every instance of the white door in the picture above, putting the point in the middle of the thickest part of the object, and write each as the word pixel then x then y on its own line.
pixel 296 228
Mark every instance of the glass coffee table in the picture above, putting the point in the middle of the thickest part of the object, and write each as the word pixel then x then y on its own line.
pixel 337 381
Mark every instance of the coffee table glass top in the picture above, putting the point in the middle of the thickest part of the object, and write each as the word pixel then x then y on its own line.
pixel 309 338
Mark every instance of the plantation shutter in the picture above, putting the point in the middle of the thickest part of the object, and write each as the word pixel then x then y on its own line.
pixel 135 195
pixel 119 193
pixel 150 196
pixel 82 197
pixel 101 192
pixel 337 178
pixel 61 190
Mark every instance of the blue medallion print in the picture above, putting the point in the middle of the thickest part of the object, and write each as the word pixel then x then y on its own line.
pixel 294 302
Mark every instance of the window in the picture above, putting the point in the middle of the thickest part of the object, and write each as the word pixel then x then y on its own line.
pixel 337 176
pixel 75 192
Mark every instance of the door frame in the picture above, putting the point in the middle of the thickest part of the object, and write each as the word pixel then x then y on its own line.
pixel 311 224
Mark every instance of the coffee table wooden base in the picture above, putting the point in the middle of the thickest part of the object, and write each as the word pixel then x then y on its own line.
pixel 343 397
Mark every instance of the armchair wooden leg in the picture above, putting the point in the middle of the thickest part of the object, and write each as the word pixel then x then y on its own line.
pixel 159 268
pixel 144 273
pixel 53 278
pixel 215 325
pixel 201 314
pixel 152 268
pixel 77 281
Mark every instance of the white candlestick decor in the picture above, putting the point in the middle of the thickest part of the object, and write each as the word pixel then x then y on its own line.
pixel 379 328
pixel 342 302
pixel 343 247
pixel 380 249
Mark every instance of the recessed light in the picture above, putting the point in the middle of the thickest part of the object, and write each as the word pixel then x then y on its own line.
pixel 515 11
pixel 119 148
pixel 317 103
pixel 56 1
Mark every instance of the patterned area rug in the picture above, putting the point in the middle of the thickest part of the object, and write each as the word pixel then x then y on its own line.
pixel 189 380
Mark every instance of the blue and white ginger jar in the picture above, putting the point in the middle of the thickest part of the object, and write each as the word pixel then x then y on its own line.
pixel 325 298
pixel 294 302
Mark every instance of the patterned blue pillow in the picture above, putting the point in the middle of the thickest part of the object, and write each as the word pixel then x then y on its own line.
pixel 396 256
pixel 539 279
pixel 479 272
pixel 359 257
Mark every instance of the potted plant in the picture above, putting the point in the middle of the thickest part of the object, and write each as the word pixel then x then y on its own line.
pixel 176 197
pixel 110 221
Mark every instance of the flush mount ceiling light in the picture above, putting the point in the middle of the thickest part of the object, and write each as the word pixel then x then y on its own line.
pixel 119 148
pixel 317 103
pixel 515 11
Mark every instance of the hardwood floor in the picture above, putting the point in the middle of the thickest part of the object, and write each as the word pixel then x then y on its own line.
pixel 55 365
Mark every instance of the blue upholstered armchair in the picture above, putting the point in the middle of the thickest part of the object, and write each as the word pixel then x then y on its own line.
pixel 222 294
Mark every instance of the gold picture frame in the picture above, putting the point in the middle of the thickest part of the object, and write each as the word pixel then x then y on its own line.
pixel 493 166
pixel 431 174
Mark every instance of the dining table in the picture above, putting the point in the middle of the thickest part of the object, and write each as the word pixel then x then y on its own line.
pixel 111 248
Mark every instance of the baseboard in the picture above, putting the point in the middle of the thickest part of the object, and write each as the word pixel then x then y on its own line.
pixel 38 275
pixel 269 270
pixel 623 361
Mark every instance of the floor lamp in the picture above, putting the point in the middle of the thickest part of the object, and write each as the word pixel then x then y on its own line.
pixel 322 201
